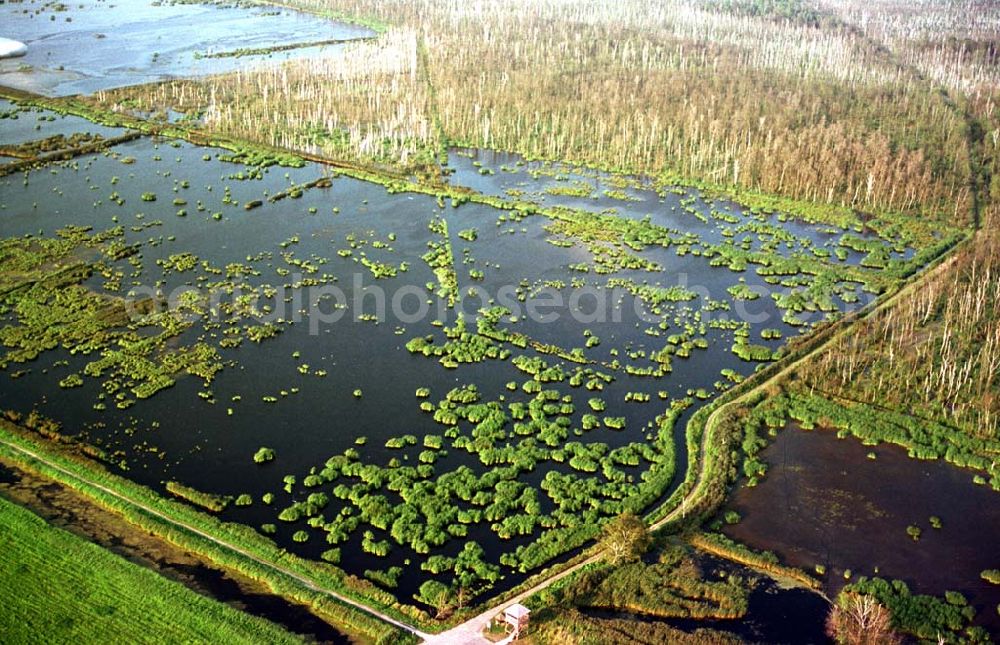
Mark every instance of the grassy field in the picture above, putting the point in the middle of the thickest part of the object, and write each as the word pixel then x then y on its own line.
pixel 58 587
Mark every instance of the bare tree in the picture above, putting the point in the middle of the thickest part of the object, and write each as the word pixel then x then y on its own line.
pixel 857 619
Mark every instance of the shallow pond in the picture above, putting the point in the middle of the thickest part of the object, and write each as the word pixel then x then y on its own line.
pixel 681 209
pixel 826 501
pixel 83 47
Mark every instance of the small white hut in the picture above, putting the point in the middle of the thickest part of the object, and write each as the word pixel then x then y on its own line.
pixel 516 618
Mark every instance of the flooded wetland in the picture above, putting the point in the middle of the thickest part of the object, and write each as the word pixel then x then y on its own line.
pixel 98 45
pixel 454 385
pixel 529 367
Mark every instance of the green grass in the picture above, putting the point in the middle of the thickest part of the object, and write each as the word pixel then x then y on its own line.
pixel 674 586
pixel 58 587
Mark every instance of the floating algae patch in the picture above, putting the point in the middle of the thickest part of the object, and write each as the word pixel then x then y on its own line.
pixel 46 306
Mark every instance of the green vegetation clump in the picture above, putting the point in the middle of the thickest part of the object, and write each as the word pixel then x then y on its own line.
pixel 749 352
pixel 743 292
pixel 614 423
pixel 388 578
pixel 671 588
pixel 722 546
pixel 926 617
pixel 214 503
pixel 558 624
pixel 263 455
pixel 442 261
pixel 73 380
pixel 991 576
pixel 131 347
pixel 423 509
pixel 625 539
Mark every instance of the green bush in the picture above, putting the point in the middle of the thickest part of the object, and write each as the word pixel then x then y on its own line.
pixel 263 455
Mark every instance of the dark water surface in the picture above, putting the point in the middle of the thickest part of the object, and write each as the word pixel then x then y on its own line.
pixel 824 501
pixel 775 615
